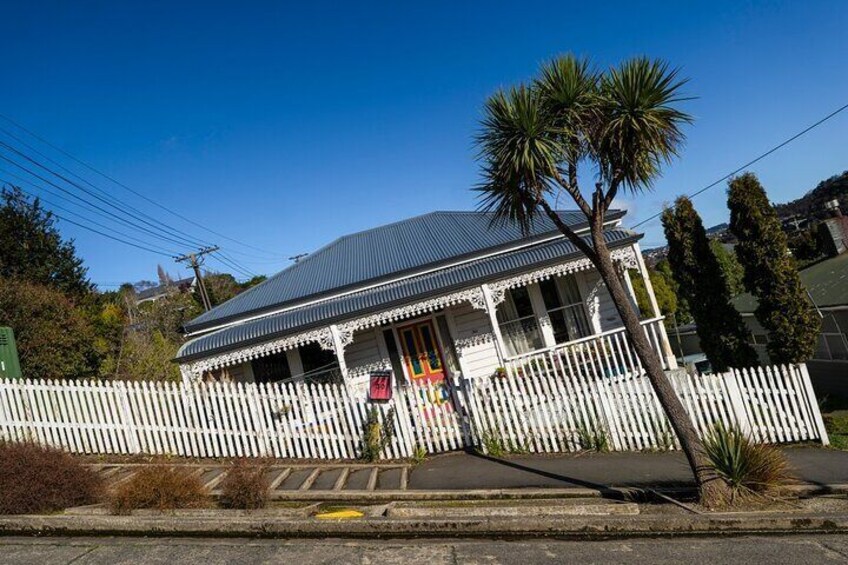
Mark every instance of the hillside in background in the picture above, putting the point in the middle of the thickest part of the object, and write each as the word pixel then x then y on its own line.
pixel 812 203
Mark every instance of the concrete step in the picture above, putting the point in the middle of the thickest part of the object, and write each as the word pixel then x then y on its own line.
pixel 512 508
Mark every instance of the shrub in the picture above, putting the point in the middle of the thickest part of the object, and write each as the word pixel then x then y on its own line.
pixel 747 467
pixel 376 436
pixel 160 487
pixel 245 486
pixel 36 479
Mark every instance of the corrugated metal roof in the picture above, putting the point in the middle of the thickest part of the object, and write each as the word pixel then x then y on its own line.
pixel 827 283
pixel 379 253
pixel 390 295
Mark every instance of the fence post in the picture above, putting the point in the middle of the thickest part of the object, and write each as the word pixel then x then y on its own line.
pixel 734 393
pixel 811 401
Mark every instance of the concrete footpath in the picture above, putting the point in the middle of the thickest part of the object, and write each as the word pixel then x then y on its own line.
pixel 584 496
pixel 469 475
pixel 461 471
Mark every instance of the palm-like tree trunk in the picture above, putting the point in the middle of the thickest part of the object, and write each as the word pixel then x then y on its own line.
pixel 713 490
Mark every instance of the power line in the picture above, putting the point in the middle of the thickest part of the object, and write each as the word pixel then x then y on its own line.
pixel 185 240
pixel 100 211
pixel 97 188
pixel 83 218
pixel 196 260
pixel 237 263
pixel 92 208
pixel 125 187
pixel 218 257
pixel 110 237
pixel 77 197
pixel 751 162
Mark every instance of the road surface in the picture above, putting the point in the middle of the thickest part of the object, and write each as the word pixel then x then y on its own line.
pixel 819 549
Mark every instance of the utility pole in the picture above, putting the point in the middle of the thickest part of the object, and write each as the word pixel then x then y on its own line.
pixel 195 260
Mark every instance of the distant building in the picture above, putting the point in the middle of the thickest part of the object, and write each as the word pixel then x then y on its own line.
pixel 827 283
pixel 157 292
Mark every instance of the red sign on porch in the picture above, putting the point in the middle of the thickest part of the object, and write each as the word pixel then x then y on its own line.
pixel 381 386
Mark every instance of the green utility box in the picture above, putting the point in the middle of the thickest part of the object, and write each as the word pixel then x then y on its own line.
pixel 10 366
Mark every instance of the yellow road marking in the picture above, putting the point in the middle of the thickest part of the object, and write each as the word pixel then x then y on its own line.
pixel 340 515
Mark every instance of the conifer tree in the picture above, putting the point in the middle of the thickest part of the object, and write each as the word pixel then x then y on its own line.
pixel 702 282
pixel 771 275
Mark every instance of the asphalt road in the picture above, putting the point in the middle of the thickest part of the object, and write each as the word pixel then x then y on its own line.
pixel 113 551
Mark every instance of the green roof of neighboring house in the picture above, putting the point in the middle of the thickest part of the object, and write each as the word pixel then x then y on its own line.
pixel 827 282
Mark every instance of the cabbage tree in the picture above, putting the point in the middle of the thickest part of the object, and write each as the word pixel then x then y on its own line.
pixel 622 125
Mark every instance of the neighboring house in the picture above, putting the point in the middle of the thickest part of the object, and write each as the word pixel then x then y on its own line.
pixel 157 292
pixel 442 295
pixel 827 284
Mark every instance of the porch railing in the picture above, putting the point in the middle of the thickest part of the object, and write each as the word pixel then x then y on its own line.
pixel 607 354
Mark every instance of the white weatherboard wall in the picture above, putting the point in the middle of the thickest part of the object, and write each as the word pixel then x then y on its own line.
pixel 547 410
pixel 474 341
pixel 362 356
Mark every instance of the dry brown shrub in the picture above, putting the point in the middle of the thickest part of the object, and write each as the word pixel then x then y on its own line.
pixel 160 487
pixel 36 479
pixel 245 486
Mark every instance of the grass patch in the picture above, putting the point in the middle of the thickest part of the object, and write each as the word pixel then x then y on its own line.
pixel 159 487
pixel 592 437
pixel 496 445
pixel 35 479
pixel 245 486
pixel 836 424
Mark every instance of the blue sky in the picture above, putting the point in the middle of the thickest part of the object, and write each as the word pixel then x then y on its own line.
pixel 284 126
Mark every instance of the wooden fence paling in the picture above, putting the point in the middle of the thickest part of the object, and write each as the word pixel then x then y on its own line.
pixel 538 406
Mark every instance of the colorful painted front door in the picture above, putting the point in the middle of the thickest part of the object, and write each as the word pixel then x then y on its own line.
pixel 421 352
pixel 423 358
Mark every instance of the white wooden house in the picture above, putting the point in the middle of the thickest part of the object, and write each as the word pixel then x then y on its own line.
pixel 438 297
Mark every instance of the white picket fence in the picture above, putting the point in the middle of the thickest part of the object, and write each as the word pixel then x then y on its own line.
pixel 549 409
pixel 545 409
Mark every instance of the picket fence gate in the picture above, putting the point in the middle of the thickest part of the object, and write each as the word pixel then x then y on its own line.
pixel 544 409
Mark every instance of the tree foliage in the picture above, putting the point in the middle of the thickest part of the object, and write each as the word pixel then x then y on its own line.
pixel 55 339
pixel 812 203
pixel 771 274
pixel 730 267
pixel 701 279
pixel 663 292
pixel 32 249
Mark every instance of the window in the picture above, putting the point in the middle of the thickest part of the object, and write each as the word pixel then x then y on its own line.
pixel 518 323
pixel 833 341
pixel 271 368
pixel 565 308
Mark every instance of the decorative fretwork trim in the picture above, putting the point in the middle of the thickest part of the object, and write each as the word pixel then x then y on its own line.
pixel 499 287
pixel 625 257
pixel 472 295
pixel 195 370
